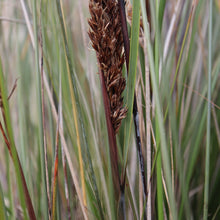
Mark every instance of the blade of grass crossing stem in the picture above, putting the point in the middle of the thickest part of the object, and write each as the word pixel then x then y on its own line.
pixel 40 116
pixel 74 96
pixel 129 98
pixel 22 186
pixel 164 149
pixel 3 215
pixel 207 159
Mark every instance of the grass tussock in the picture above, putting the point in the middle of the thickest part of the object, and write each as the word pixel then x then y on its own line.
pixel 138 140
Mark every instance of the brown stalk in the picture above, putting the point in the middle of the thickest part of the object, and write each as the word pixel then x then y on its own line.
pixel 111 134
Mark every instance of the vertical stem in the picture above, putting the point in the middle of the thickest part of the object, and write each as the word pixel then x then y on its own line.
pixel 60 115
pixel 40 117
pixel 159 159
pixel 43 122
pixel 135 109
pixel 148 137
pixel 111 135
pixel 207 159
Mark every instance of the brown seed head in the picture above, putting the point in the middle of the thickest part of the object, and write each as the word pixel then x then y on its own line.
pixel 107 40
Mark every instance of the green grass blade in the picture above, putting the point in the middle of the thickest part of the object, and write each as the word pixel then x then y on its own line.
pixel 76 105
pixel 22 186
pixel 164 149
pixel 207 159
pixel 159 158
pixel 40 116
pixel 74 100
pixel 180 57
pixel 129 97
pixel 3 215
pixel 162 5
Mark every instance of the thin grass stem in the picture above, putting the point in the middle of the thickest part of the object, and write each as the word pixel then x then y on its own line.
pixel 208 129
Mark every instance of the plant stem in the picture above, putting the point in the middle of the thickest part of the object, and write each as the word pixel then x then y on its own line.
pixel 135 109
pixel 207 160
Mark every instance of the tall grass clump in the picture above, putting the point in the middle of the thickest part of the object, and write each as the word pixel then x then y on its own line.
pixel 109 109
